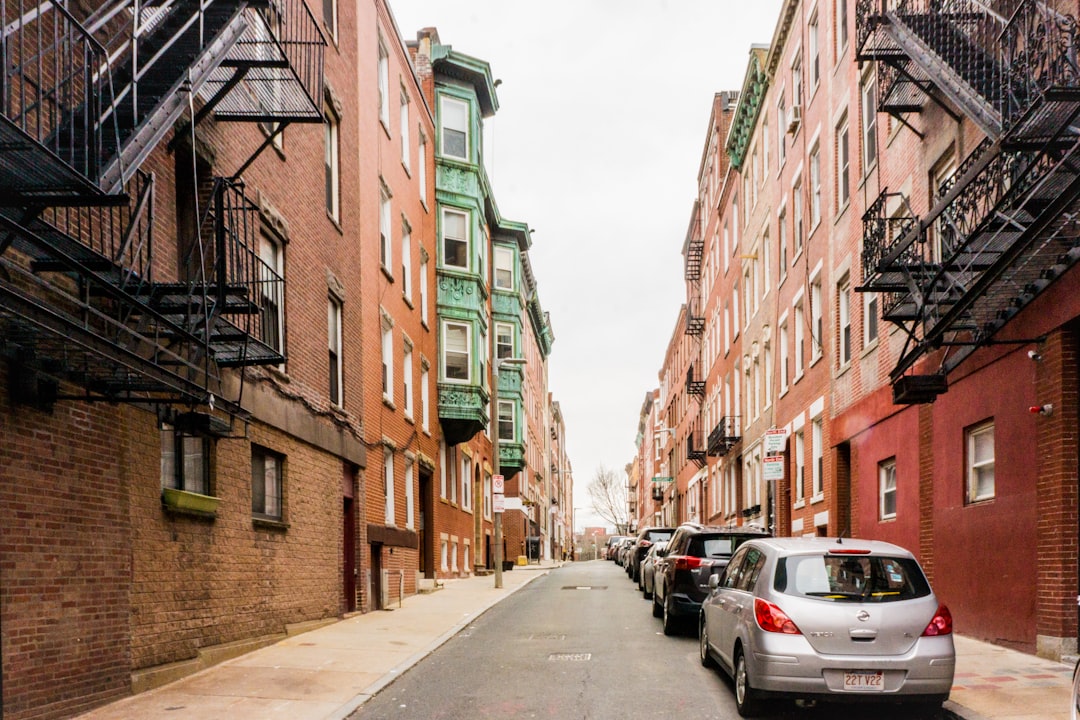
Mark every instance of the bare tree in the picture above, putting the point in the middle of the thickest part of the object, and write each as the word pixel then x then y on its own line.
pixel 608 494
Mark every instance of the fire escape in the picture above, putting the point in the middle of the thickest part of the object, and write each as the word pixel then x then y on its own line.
pixel 724 436
pixel 88 310
pixel 695 327
pixel 1003 227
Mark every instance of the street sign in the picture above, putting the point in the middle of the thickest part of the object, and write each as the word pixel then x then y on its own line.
pixel 498 484
pixel 498 502
pixel 773 467
pixel 775 440
pixel 660 478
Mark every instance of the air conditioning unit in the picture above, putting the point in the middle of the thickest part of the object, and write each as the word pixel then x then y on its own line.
pixel 796 119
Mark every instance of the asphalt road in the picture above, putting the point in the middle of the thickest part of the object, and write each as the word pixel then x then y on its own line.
pixel 579 642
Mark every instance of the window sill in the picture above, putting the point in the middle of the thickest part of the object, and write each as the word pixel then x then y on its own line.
pixel 335 221
pixel 799 504
pixel 819 497
pixel 389 403
pixel 386 271
pixel 265 523
pixel 182 502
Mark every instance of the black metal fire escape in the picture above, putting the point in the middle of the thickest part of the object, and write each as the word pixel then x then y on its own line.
pixel 85 100
pixel 724 436
pixel 695 446
pixel 1003 226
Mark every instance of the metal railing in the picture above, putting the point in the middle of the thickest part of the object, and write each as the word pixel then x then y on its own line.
pixel 1040 46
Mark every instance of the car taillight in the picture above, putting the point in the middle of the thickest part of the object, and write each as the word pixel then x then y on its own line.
pixel 645 544
pixel 686 562
pixel 771 618
pixel 941 624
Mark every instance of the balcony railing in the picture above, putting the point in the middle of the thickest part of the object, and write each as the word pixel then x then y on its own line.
pixel 726 433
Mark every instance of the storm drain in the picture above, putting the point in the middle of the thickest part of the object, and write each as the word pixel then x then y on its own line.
pixel 584 587
pixel 570 657
pixel 547 636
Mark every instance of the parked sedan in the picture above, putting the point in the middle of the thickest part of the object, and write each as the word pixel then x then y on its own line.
pixel 824 619
pixel 647 565
pixel 642 543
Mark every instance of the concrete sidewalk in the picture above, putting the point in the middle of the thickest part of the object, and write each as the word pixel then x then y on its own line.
pixel 329 672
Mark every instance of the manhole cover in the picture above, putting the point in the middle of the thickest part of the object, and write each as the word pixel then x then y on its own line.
pixel 570 657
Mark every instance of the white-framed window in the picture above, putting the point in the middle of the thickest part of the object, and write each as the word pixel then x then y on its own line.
pixel 456 355
pixel 488 502
pixel 384 86
pixel 330 18
pixel 443 480
pixel 266 482
pixel 843 312
pixel 466 482
pixel 735 310
pixel 333 322
pixel 841 34
pixel 332 163
pixel 387 361
pixel 453 555
pixel 766 263
pixel 843 164
pixel 940 234
pixel 768 372
pixel 813 43
pixel 800 466
pixel 816 321
pixel 784 356
pixel 410 494
pixel 782 244
pixel 504 268
pixel 407 377
pixel 796 85
pixel 386 251
pixel 424 312
pixel 798 219
pixel 507 429
pixel 818 458
pixel 425 397
pixel 406 260
pixel 815 186
pixel 454 114
pixel 887 489
pixel 271 295
pixel 980 462
pixel 868 93
pixel 421 170
pixel 504 340
pixel 799 351
pixel 455 239
pixel 870 318
pixel 388 486
pixel 405 122
pixel 444 555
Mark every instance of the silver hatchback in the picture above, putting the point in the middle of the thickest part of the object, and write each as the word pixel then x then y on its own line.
pixel 828 619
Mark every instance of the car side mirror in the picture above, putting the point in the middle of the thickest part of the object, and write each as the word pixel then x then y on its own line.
pixel 714 581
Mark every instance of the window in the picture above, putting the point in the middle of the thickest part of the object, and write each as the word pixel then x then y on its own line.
pixel 942 234
pixel 406 261
pixel 185 461
pixel 506 421
pixel 766 263
pixel 843 162
pixel 384 86
pixel 818 467
pixel 330 17
pixel 781 130
pixel 887 489
pixel 843 306
pixel 466 481
pixel 798 234
pixel 796 86
pixel 423 288
pixel 815 187
pixel 407 376
pixel 333 321
pixel 388 486
pixel 385 251
pixel 487 496
pixel 870 318
pixel 266 471
pixel 869 122
pixel 404 129
pixel 784 378
pixel 504 340
pixel 271 295
pixel 425 397
pixel 814 48
pixel 421 170
pixel 442 470
pixel 735 310
pixel 781 233
pixel 980 463
pixel 455 239
pixel 815 319
pixel 410 495
pixel 456 352
pixel 841 29
pixel 332 154
pixel 800 466
pixel 455 127
pixel 504 268
pixel 800 339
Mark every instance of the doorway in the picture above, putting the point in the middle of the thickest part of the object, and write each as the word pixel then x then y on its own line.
pixel 376 576
pixel 427 524
pixel 348 570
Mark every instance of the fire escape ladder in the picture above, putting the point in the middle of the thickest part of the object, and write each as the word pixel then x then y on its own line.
pixel 694 386
pixel 695 446
pixel 695 320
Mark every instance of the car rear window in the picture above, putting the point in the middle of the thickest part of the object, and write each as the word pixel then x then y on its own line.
pixel 713 547
pixel 845 578
pixel 657 535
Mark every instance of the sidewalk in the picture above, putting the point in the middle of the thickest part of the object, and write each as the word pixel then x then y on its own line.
pixel 327 673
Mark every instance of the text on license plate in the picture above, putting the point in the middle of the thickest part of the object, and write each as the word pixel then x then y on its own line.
pixel 864 681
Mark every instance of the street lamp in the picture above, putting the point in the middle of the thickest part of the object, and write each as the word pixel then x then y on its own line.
pixel 499 362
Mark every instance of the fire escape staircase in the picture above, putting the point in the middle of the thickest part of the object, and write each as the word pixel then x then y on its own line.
pixel 85 99
pixel 1004 225
pixel 693 386
pixel 723 437
pixel 695 447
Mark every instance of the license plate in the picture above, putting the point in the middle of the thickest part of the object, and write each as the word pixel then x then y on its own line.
pixel 857 681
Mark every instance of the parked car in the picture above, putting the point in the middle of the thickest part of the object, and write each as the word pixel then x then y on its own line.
pixel 828 619
pixel 655 553
pixel 1074 708
pixel 612 542
pixel 642 543
pixel 621 551
pixel 694 554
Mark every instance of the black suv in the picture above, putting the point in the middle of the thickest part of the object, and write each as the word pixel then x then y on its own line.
pixel 693 553
pixel 641 545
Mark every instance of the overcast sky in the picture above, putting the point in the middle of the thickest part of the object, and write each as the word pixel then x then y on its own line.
pixel 603 109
